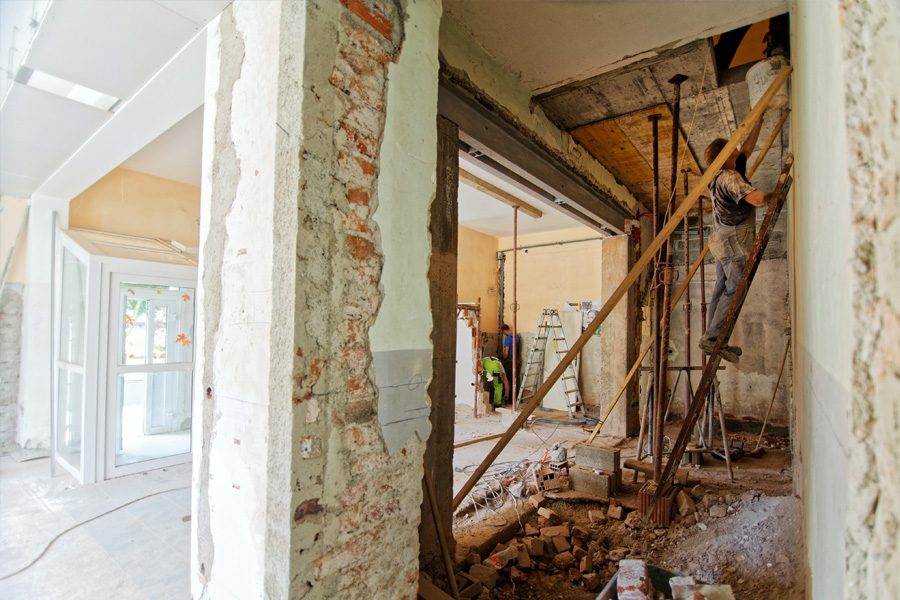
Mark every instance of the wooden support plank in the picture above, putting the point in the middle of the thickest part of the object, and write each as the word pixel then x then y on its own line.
pixel 498 194
pixel 769 142
pixel 632 276
pixel 477 440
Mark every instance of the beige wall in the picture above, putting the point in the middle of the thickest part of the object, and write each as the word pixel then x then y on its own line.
pixel 550 276
pixel 11 220
pixel 477 275
pixel 134 203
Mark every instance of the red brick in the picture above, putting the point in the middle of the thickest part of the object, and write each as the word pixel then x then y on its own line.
pixel 358 196
pixel 346 555
pixel 357 387
pixel 306 380
pixel 351 330
pixel 353 169
pixel 357 358
pixel 360 87
pixel 354 223
pixel 361 249
pixel 375 20
pixel 368 462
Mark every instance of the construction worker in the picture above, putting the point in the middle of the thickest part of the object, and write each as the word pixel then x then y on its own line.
pixel 734 232
pixel 508 351
pixel 493 374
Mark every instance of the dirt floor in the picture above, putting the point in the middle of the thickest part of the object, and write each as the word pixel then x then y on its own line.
pixel 756 546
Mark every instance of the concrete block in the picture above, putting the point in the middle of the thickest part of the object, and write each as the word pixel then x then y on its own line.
pixel 555 531
pixel 534 546
pixel 616 512
pixel 633 582
pixel 598 457
pixel 524 559
pixel 550 515
pixel 585 479
pixel 587 564
pixel 487 576
pixel 537 501
pixel 593 581
pixel 561 544
pixel 531 530
pixel 579 553
pixel 564 561
pixel 686 504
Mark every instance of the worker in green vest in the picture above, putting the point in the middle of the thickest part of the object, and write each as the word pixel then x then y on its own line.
pixel 492 373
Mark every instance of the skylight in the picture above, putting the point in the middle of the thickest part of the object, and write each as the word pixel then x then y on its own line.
pixel 66 89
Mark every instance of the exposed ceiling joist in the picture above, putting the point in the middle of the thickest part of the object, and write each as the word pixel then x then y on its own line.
pixel 503 196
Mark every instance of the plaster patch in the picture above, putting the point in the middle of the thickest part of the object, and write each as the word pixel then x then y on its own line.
pixel 403 408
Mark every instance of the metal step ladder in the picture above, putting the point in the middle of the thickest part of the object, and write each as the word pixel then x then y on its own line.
pixel 550 328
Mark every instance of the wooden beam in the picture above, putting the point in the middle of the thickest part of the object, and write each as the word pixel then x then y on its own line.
pixel 769 142
pixel 477 440
pixel 502 195
pixel 632 276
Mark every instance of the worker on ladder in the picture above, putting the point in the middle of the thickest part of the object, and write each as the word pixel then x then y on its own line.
pixel 494 380
pixel 734 232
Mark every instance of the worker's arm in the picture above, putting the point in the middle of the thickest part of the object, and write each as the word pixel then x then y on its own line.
pixel 505 383
pixel 505 352
pixel 758 198
pixel 750 143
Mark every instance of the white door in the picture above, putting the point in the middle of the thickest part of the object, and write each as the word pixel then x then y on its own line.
pixel 150 373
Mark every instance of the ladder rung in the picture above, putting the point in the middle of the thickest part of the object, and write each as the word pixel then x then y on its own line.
pixel 579 403
pixel 572 391
pixel 573 377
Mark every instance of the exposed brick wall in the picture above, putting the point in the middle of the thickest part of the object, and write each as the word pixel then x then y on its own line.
pixel 356 506
pixel 10 345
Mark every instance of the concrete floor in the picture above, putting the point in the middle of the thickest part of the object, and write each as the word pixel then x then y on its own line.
pixel 139 551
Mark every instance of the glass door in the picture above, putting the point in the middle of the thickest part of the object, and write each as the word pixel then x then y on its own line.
pixel 68 405
pixel 150 376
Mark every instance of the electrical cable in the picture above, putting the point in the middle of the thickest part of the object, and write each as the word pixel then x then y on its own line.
pixel 94 518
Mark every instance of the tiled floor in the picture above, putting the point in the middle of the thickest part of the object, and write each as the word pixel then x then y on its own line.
pixel 140 551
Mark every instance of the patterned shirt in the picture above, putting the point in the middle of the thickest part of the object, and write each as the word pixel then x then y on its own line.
pixel 728 190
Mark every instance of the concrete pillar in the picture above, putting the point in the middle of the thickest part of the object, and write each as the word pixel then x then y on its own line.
pixel 613 352
pixel 317 184
pixel 35 371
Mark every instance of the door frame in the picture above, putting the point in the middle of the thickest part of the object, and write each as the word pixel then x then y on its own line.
pixel 161 274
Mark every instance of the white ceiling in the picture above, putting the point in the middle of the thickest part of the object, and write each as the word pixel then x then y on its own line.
pixel 490 216
pixel 112 46
pixel 176 154
pixel 549 43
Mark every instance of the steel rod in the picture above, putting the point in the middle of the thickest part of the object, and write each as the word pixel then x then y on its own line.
pixel 774 392
pixel 624 286
pixel 477 440
pixel 655 319
pixel 515 308
pixel 687 302
pixel 477 354
pixel 725 445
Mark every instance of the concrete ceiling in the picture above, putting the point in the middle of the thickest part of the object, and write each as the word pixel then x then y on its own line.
pixel 114 47
pixel 549 43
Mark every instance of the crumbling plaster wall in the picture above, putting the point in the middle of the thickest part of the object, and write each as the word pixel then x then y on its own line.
pixel 10 344
pixel 870 42
pixel 461 53
pixel 297 492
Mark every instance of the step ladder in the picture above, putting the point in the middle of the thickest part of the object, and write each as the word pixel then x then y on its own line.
pixel 550 328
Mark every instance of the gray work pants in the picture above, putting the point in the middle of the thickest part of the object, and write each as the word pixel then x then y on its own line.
pixel 731 245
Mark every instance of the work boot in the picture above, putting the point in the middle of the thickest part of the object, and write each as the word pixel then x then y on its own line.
pixel 729 353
